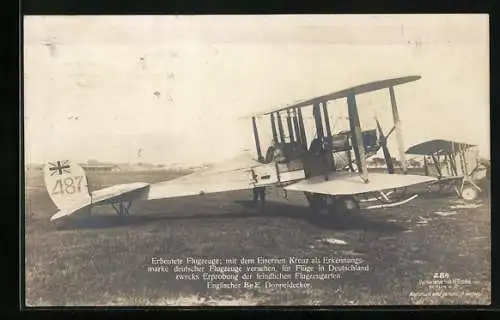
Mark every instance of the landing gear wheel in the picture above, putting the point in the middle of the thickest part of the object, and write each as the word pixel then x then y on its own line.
pixel 316 202
pixel 344 205
pixel 338 207
pixel 469 194
pixel 351 204
pixel 331 205
pixel 259 196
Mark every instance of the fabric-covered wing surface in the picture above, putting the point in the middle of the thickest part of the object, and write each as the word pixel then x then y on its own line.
pixel 349 183
pixel 355 90
pixel 202 183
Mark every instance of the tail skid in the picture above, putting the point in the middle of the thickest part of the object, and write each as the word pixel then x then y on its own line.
pixel 61 214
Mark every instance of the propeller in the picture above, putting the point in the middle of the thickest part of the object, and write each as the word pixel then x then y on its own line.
pixel 383 144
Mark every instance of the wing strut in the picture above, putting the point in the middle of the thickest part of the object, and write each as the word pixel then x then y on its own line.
pixel 273 126
pixel 319 123
pixel 399 134
pixel 383 143
pixel 257 141
pixel 298 136
pixel 426 166
pixel 280 128
pixel 359 149
pixel 303 136
pixel 437 165
pixel 290 126
pixel 327 127
pixel 447 160
pixel 466 167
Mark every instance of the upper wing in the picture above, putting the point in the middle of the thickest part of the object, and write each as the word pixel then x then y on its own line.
pixel 349 183
pixel 359 89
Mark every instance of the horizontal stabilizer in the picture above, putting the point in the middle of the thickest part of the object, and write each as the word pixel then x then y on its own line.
pixel 129 191
pixel 350 183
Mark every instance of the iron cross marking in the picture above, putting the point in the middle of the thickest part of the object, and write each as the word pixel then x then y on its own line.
pixel 60 168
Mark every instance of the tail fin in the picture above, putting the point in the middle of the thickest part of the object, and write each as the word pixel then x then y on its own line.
pixel 66 184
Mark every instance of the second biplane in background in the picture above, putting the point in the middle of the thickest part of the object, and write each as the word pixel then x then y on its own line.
pixel 331 169
pixel 456 165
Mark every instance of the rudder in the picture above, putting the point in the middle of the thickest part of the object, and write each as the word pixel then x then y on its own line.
pixel 66 184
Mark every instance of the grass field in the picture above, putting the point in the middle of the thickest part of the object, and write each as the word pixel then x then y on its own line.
pixel 102 259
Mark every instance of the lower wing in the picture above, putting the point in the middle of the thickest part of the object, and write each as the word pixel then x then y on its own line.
pixel 350 183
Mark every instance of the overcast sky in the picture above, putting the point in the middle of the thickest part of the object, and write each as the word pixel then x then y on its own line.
pixel 166 89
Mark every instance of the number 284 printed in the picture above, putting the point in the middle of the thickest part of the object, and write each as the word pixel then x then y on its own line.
pixel 68 185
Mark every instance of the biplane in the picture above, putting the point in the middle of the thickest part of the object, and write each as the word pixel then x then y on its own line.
pixel 331 169
pixel 455 165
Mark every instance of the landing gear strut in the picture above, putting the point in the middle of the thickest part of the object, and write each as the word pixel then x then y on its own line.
pixel 259 193
pixel 122 207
